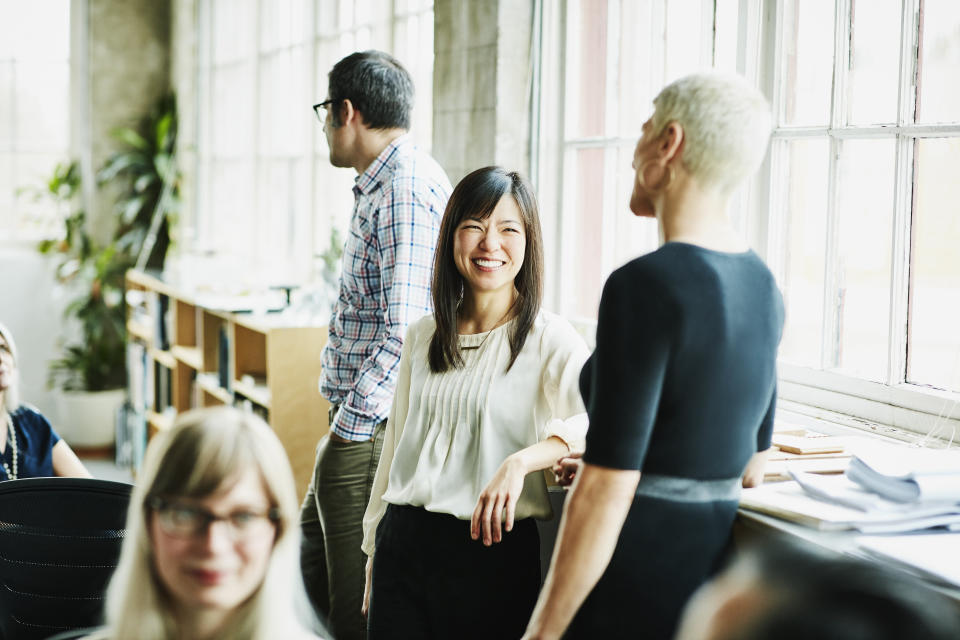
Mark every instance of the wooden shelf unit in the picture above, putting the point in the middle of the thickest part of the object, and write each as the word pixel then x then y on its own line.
pixel 214 357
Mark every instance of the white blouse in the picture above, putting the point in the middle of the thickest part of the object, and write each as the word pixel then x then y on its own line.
pixel 448 433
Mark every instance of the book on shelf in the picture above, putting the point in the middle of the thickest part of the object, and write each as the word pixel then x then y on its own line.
pixel 223 358
pixel 907 474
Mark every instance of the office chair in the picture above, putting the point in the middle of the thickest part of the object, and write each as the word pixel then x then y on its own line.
pixel 60 541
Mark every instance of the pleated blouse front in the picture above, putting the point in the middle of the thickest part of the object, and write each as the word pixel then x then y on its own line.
pixel 448 433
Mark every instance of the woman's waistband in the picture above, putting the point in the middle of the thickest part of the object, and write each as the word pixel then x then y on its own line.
pixel 680 489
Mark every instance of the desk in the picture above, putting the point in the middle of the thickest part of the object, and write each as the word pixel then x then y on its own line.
pixel 751 526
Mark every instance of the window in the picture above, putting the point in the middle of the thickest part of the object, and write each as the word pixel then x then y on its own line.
pixel 863 223
pixel 853 210
pixel 602 63
pixel 34 111
pixel 266 193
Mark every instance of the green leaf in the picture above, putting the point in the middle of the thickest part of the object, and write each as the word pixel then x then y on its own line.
pixel 131 138
pixel 131 208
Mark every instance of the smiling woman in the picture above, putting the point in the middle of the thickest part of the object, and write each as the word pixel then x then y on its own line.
pixel 486 397
pixel 212 549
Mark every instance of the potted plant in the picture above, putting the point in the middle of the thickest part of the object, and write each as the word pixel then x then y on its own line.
pixel 91 373
pixel 145 168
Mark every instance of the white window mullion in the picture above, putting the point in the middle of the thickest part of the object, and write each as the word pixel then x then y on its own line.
pixel 260 218
pixel 903 198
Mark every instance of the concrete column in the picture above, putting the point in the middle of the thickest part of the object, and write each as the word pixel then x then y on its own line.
pixel 481 84
pixel 127 53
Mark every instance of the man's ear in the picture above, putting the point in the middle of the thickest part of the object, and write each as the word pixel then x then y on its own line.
pixel 348 113
pixel 671 140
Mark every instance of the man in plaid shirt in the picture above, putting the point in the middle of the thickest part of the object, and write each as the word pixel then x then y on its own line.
pixel 400 194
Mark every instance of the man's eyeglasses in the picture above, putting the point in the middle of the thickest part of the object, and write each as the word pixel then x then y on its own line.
pixel 186 521
pixel 320 109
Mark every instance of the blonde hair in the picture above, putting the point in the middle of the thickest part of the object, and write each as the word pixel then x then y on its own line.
pixel 11 397
pixel 205 448
pixel 726 122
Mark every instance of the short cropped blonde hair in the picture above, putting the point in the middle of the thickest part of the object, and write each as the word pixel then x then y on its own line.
pixel 204 449
pixel 726 122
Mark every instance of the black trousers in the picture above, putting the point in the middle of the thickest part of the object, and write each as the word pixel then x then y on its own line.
pixel 430 580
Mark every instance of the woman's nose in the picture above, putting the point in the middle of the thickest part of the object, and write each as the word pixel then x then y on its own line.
pixel 490 239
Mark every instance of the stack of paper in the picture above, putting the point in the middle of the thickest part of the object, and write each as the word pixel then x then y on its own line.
pixel 832 503
pixel 908 474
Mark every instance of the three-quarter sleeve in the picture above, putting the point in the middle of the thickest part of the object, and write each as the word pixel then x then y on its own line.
pixel 395 421
pixel 564 354
pixel 628 366
pixel 765 434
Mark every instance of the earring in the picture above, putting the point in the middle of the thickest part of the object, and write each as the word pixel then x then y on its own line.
pixel 664 184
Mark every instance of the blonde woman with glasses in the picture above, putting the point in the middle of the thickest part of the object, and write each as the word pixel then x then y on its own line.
pixel 212 546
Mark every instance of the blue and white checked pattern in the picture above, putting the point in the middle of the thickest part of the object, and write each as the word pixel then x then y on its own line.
pixel 385 283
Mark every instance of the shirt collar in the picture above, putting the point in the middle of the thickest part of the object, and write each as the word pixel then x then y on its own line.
pixel 370 180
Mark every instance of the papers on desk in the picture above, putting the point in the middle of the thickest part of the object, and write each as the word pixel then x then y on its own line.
pixel 935 556
pixel 833 503
pixel 907 474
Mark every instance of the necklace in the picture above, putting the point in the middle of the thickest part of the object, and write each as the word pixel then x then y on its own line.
pixel 12 439
pixel 498 323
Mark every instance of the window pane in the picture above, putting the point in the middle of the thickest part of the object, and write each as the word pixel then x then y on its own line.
pixel 43 96
pixel 587 68
pixel 725 41
pixel 934 353
pixel 583 230
pixel 865 228
pixel 7 101
pixel 685 39
pixel 874 61
pixel 939 92
pixel 637 73
pixel 807 61
pixel 806 165
pixel 42 29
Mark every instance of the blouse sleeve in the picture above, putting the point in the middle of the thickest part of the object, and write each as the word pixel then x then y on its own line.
pixel 391 437
pixel 629 363
pixel 564 354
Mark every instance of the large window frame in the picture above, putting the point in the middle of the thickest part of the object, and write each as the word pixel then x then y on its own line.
pixel 892 406
pixel 292 197
pixel 35 91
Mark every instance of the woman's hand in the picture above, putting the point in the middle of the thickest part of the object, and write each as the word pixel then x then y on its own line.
pixel 365 607
pixel 566 468
pixel 499 496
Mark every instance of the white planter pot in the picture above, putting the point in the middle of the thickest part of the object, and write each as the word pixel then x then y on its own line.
pixel 88 418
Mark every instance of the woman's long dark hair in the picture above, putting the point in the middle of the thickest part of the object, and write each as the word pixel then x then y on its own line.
pixel 476 196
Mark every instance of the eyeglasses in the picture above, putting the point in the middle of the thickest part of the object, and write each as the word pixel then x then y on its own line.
pixel 320 108
pixel 185 521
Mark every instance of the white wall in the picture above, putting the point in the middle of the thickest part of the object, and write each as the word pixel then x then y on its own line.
pixel 31 305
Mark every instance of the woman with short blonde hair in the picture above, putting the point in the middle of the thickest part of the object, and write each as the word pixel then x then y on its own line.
pixel 178 576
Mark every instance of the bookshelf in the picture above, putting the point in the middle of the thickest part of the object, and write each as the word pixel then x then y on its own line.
pixel 187 351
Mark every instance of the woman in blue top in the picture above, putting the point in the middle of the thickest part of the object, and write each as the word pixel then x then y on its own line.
pixel 681 387
pixel 29 447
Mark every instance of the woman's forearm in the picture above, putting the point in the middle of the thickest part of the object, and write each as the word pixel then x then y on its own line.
pixel 542 455
pixel 592 519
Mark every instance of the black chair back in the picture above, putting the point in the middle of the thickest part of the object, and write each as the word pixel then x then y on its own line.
pixel 60 540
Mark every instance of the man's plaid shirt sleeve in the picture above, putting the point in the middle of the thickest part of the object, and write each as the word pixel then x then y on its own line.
pixel 407 228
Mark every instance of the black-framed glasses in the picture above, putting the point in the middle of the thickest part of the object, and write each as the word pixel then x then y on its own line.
pixel 320 108
pixel 182 520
